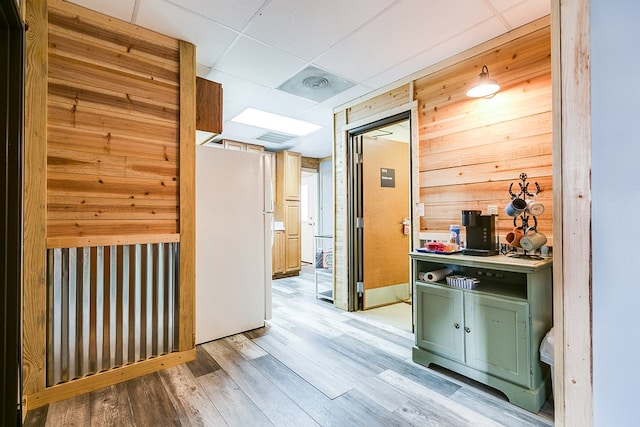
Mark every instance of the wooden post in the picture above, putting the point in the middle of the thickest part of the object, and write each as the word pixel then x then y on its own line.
pixel 35 203
pixel 573 387
pixel 187 337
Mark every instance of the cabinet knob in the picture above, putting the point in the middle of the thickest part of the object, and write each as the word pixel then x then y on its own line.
pixel 466 329
pixel 456 325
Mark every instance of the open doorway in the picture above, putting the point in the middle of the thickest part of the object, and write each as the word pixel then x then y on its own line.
pixel 380 220
pixel 11 189
pixel 308 215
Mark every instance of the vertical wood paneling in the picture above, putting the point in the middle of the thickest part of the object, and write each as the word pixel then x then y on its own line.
pixel 340 276
pixel 110 81
pixel 558 253
pixel 187 271
pixel 35 190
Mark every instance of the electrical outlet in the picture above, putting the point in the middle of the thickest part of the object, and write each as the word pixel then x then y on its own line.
pixel 492 210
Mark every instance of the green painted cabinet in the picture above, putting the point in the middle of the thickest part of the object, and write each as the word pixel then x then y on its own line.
pixel 491 333
pixel 496 332
pixel 440 320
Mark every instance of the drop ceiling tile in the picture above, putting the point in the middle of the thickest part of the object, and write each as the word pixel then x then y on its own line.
pixel 258 63
pixel 233 13
pixel 502 5
pixel 526 12
pixel 306 28
pixel 246 93
pixel 318 144
pixel 322 113
pixel 482 32
pixel 424 24
pixel 210 38
pixel 121 9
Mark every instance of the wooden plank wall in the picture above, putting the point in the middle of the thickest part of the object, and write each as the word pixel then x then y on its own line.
pixel 470 150
pixel 110 123
pixel 113 128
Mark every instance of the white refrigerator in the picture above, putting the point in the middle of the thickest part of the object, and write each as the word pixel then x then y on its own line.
pixel 234 214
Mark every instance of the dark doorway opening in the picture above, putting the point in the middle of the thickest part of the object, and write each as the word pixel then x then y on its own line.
pixel 11 129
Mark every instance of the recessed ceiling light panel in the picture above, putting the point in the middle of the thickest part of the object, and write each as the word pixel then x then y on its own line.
pixel 275 122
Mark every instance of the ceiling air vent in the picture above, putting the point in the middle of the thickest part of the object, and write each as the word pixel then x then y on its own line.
pixel 315 84
pixel 275 137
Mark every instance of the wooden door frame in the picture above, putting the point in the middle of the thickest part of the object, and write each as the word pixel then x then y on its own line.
pixel 571 83
pixel 315 214
pixel 410 110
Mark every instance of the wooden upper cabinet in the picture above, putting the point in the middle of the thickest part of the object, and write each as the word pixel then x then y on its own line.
pixel 288 169
pixel 208 106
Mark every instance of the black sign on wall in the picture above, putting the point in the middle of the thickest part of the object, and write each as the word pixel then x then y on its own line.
pixel 387 177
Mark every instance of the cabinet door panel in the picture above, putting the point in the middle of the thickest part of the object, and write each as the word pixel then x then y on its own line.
pixel 292 219
pixel 293 163
pixel 234 145
pixel 293 254
pixel 440 321
pixel 278 252
pixel 496 337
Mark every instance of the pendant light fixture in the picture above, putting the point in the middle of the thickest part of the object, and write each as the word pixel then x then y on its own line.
pixel 485 87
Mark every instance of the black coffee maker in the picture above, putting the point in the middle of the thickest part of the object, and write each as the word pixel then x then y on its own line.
pixel 481 233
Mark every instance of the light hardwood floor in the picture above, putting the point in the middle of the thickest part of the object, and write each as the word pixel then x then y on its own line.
pixel 311 365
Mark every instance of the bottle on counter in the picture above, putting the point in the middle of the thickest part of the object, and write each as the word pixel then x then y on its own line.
pixel 454 234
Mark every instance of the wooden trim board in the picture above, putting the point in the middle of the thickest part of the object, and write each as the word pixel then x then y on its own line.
pixel 103 379
pixel 187 337
pixel 79 242
pixel 35 199
pixel 573 351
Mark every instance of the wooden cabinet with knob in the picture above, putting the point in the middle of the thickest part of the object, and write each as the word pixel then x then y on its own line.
pixel 230 144
pixel 491 333
pixel 288 175
pixel 287 209
pixel 278 256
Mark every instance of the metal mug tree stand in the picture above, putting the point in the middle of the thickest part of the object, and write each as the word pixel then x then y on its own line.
pixel 524 216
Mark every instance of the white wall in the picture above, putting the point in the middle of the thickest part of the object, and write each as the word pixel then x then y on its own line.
pixel 615 90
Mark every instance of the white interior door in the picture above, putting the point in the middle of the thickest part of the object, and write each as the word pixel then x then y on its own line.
pixel 308 214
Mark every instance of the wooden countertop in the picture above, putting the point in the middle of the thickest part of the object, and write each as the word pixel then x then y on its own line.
pixel 497 262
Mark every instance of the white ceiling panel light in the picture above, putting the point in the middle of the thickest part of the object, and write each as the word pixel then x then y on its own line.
pixel 275 122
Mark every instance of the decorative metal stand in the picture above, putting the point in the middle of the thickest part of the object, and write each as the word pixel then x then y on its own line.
pixel 524 217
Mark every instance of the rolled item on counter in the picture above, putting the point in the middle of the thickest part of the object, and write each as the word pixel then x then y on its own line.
pixel 434 276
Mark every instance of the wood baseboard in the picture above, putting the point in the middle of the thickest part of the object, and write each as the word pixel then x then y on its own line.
pixel 107 378
pixel 283 275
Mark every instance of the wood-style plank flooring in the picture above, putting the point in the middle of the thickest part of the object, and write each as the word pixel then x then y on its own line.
pixel 312 365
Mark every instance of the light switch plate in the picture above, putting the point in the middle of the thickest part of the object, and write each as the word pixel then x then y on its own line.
pixel 492 210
